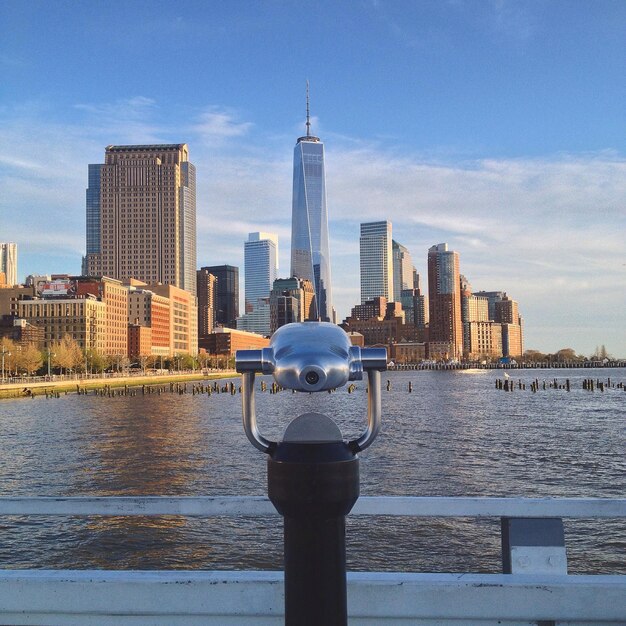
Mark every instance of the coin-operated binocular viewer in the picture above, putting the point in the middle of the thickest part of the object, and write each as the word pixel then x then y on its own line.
pixel 313 473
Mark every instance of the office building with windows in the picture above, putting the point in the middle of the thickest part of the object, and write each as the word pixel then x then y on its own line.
pixel 376 260
pixel 444 299
pixel 310 251
pixel 226 294
pixel 291 300
pixel 141 215
pixel 260 267
pixel 261 270
pixel 207 298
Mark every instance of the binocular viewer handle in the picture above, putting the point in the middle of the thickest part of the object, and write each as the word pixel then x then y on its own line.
pixel 311 357
pixel 253 434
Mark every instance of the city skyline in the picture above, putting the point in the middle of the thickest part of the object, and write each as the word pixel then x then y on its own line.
pixel 493 127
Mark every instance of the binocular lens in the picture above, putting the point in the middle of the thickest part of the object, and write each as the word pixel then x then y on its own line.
pixel 312 378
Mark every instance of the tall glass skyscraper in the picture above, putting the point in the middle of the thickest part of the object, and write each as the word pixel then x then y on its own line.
pixel 310 254
pixel 376 261
pixel 260 267
pixel 261 270
pixel 403 270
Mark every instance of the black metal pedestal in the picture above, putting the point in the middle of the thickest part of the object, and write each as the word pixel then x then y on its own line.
pixel 314 486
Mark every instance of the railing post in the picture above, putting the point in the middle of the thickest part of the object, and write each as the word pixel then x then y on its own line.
pixel 533 545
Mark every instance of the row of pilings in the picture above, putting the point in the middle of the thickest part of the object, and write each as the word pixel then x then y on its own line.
pixel 173 388
pixel 504 384
pixel 588 384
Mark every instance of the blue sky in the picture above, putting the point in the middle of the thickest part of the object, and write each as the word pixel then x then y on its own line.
pixel 497 127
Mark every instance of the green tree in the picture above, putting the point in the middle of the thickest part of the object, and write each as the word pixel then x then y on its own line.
pixel 29 359
pixel 96 361
pixel 204 360
pixel 567 355
pixel 534 356
pixel 186 361
pixel 68 354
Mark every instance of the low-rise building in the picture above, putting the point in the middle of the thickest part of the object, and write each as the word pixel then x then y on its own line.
pixel 139 341
pixel 21 331
pixel 408 352
pixel 83 319
pixel 485 340
pixel 114 294
pixel 150 310
pixel 183 318
pixel 226 341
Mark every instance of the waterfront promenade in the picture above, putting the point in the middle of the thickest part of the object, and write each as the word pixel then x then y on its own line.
pixel 25 386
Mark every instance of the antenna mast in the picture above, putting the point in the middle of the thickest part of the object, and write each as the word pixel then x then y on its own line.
pixel 308 117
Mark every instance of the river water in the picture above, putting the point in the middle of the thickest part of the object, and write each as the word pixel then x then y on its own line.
pixel 454 435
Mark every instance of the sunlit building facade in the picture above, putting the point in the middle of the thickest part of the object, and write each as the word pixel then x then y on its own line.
pixel 141 215
pixel 207 300
pixel 83 319
pixel 403 270
pixel 183 318
pixel 8 263
pixel 444 299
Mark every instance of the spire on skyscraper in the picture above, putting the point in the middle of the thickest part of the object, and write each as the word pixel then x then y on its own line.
pixel 308 136
pixel 308 116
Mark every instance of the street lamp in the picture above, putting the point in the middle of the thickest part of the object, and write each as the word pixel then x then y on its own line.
pixel 50 354
pixel 7 353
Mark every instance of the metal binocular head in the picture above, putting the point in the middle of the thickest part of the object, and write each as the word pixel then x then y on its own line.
pixel 311 356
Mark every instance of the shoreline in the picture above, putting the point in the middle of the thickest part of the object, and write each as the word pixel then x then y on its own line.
pixel 80 385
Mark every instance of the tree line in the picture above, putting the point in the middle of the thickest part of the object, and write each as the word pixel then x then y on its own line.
pixel 66 357
pixel 565 355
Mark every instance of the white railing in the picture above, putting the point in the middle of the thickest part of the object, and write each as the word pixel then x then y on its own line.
pixel 246 598
pixel 208 506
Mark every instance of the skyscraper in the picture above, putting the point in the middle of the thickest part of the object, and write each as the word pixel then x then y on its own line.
pixel 206 284
pixel 141 215
pixel 8 263
pixel 260 267
pixel 227 294
pixel 444 291
pixel 376 261
pixel 310 254
pixel 403 270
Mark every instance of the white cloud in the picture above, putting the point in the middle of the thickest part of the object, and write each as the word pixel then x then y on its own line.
pixel 215 123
